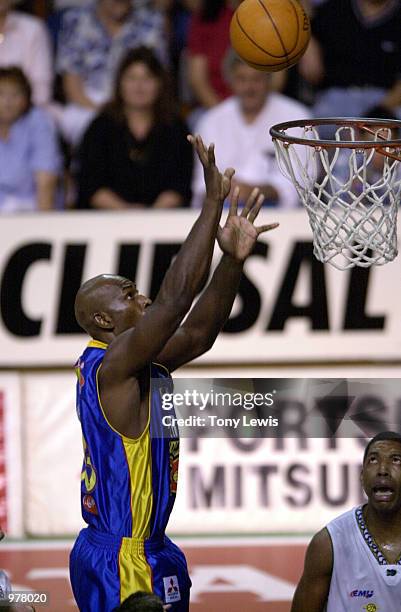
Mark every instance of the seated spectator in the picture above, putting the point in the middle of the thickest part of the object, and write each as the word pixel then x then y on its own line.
pixel 142 602
pixel 29 155
pixel 355 58
pixel 24 42
pixel 92 42
pixel 135 153
pixel 239 127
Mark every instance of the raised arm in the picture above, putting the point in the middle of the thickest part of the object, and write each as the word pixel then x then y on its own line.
pixel 132 349
pixel 213 308
pixel 313 589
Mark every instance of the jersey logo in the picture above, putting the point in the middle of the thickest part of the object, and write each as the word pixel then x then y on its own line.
pixel 88 474
pixel 371 607
pixel 89 504
pixel 171 589
pixel 79 366
pixel 359 593
pixel 391 572
pixel 174 450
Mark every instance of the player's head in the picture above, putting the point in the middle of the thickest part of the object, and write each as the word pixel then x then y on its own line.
pixel 381 472
pixel 251 86
pixel 107 305
pixel 141 602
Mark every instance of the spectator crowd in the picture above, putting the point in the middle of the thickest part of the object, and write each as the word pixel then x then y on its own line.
pixel 97 97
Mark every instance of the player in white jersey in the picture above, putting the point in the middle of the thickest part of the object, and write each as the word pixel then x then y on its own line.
pixel 354 563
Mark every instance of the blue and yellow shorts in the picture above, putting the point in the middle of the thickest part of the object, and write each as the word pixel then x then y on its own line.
pixel 105 569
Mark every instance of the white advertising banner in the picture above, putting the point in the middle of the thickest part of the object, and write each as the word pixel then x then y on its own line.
pixel 290 307
pixel 53 455
pixel 264 485
pixel 285 483
pixel 12 483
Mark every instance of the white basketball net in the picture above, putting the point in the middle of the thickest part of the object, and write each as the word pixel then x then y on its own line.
pixel 351 195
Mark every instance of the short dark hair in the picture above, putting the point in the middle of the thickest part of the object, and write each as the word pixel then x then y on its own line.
pixel 141 602
pixel 382 436
pixel 18 76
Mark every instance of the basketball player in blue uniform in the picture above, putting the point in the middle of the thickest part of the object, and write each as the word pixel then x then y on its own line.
pixel 129 476
pixel 354 564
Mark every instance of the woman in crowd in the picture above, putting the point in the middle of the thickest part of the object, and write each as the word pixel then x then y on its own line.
pixel 30 162
pixel 135 153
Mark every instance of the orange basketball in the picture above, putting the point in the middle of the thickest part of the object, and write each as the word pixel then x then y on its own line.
pixel 270 35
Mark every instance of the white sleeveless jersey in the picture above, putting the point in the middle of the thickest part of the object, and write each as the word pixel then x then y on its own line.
pixel 362 580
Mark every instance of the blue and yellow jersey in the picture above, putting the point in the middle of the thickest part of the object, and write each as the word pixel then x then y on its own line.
pixel 128 486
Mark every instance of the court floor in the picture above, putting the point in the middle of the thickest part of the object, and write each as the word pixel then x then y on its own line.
pixel 234 574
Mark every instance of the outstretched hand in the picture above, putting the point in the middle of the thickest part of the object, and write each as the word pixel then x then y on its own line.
pixel 239 234
pixel 218 185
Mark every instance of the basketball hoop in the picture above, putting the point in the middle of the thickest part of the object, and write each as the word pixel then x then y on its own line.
pixel 351 194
